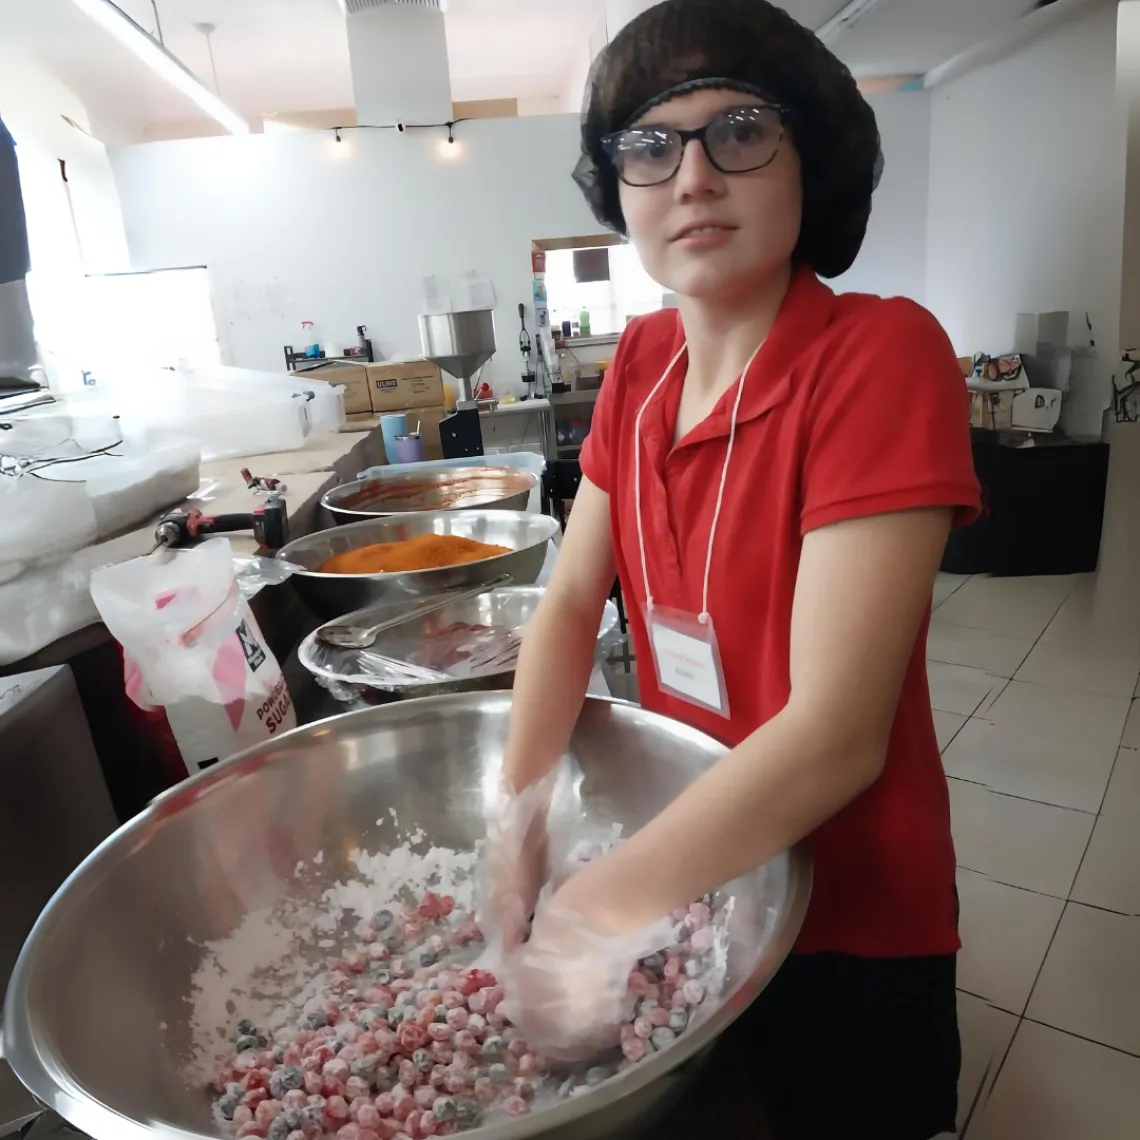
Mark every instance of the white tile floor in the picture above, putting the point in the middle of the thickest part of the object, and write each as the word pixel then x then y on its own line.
pixel 1034 686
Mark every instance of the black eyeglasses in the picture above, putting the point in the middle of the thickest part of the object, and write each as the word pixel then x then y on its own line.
pixel 736 141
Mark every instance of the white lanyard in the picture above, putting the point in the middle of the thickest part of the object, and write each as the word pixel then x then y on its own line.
pixel 703 617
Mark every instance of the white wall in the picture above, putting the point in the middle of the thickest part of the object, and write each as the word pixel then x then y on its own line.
pixel 294 226
pixel 1026 197
pixel 892 261
pixel 32 103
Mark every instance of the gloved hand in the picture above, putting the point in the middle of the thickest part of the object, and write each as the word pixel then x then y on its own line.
pixel 567 986
pixel 515 865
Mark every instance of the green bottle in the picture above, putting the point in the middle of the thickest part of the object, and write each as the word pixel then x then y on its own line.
pixel 584 323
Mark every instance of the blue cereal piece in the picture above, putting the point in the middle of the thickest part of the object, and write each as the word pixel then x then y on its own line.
pixel 662 1036
pixel 499 1074
pixel 423 1060
pixel 493 1047
pixel 383 919
pixel 246 1042
pixel 227 1106
pixel 278 1129
pixel 679 1020
pixel 655 964
pixel 318 1019
pixel 445 1109
pixel 285 1079
pixel 597 1075
pixel 467 1113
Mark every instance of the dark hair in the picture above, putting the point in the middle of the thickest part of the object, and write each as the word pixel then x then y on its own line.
pixel 749 45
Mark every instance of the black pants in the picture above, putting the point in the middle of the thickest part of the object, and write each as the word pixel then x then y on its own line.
pixel 837 1048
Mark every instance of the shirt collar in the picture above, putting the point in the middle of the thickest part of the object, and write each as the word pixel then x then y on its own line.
pixel 806 311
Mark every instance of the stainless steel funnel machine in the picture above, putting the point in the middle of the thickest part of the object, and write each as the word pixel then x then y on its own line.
pixel 460 343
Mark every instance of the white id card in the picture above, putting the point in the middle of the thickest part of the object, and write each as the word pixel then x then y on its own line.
pixel 687 658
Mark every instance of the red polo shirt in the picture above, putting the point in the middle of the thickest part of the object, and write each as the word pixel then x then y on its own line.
pixel 854 406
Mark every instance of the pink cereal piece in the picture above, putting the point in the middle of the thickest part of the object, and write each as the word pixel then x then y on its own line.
pixel 638 983
pixel 659 1016
pixel 336 1070
pixel 294 1098
pixel 411 1036
pixel 453 999
pixel 367 1134
pixel 440 1031
pixel 379 995
pixel 494 998
pixel 520 1086
pixel 635 1048
pixel 446 904
pixel 528 1065
pixel 348 1132
pixel 356 1086
pixel 477 1002
pixel 250 1129
pixel 455 1083
pixel 443 1053
pixel 243 1114
pixel 413 931
pixel 291 1058
pixel 313 1083
pixel 409 1075
pixel 316 1102
pixel 357 1103
pixel 484 1090
pixel 428 1124
pixel 477 1023
pixel 465 1041
pixel 694 992
pixel 456 1015
pixel 438 1076
pixel 412 1124
pixel 254 1097
pixel 296 1134
pixel 703 939
pixel 367 1115
pixel 643 1028
pixel 329 1087
pixel 378 952
pixel 426 1016
pixel 267 1111
pixel 462 1062
pixel 388 1129
pixel 426 997
pixel 700 912
pixel 244 1062
pixel 385 1104
pixel 404 1107
pixel 424 1096
pixel 516 1046
pixel 516 1106
pixel 336 1109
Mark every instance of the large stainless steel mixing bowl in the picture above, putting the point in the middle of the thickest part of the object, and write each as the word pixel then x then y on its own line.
pixel 97 1021
pixel 331 595
pixel 398 492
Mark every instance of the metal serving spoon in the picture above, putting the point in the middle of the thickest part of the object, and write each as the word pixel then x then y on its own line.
pixel 362 636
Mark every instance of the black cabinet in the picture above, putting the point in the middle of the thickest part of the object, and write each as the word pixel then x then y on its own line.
pixel 1044 507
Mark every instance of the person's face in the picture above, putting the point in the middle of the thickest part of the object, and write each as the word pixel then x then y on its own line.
pixel 704 233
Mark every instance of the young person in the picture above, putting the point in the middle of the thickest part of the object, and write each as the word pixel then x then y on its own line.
pixel 772 472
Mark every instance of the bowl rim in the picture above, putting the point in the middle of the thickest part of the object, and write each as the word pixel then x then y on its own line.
pixel 406 516
pixel 395 478
pixel 57 1088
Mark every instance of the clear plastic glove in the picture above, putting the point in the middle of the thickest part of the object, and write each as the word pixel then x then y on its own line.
pixel 515 865
pixel 567 986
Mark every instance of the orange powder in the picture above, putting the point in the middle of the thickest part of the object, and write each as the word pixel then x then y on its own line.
pixel 423 552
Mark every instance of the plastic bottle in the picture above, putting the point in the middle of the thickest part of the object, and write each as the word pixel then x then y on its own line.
pixel 310 344
pixel 584 323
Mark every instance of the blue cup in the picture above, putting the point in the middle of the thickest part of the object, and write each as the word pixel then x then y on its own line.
pixel 391 427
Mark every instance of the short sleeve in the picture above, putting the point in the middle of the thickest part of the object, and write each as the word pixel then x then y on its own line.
pixel 889 426
pixel 598 456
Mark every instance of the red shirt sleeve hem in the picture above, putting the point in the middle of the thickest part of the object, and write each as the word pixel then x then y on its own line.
pixel 594 471
pixel 962 497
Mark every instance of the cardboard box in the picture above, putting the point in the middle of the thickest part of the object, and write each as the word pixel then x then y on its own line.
pixel 395 387
pixel 354 378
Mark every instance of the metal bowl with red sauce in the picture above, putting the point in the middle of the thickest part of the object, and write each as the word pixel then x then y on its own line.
pixel 448 489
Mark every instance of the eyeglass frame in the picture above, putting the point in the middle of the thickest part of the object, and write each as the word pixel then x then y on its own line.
pixel 608 142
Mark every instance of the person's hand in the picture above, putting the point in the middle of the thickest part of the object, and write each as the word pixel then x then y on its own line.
pixel 567 986
pixel 515 865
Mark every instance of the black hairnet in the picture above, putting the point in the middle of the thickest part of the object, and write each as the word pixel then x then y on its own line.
pixel 752 46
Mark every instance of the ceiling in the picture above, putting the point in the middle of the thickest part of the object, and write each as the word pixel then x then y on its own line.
pixel 292 55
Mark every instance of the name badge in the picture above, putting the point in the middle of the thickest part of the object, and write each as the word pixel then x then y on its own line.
pixel 687 658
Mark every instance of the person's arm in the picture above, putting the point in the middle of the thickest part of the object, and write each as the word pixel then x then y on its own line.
pixel 862 590
pixel 557 654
